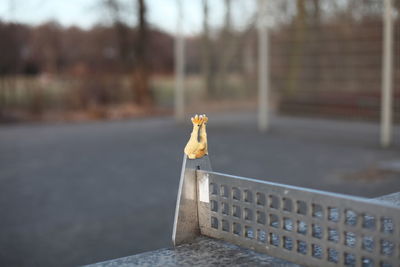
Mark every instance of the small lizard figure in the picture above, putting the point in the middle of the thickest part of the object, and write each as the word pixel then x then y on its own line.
pixel 196 148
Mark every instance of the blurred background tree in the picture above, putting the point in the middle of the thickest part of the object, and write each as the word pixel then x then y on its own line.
pixel 325 59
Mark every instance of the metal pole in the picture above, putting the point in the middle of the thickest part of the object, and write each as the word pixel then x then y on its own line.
pixel 263 67
pixel 387 75
pixel 179 66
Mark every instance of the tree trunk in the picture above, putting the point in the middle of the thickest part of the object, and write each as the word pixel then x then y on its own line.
pixel 142 92
pixel 296 58
pixel 315 36
pixel 227 50
pixel 208 75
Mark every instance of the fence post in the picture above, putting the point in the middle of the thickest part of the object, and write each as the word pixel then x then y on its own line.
pixel 263 67
pixel 387 75
pixel 179 66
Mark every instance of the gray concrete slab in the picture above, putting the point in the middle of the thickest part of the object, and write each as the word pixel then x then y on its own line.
pixel 73 194
pixel 202 252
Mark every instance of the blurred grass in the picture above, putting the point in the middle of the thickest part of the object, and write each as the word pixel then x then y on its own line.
pixel 235 88
pixel 25 98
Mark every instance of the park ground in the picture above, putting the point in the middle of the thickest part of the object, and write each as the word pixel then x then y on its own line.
pixel 74 193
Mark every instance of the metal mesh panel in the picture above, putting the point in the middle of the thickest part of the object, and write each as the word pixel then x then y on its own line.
pixel 301 225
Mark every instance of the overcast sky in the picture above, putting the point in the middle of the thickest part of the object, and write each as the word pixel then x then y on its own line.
pixel 85 13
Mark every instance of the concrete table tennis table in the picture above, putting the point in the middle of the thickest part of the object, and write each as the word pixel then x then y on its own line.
pixel 224 220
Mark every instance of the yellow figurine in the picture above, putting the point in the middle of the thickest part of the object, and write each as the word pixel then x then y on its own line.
pixel 196 148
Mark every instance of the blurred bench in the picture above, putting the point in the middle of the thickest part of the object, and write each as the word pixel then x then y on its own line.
pixel 228 220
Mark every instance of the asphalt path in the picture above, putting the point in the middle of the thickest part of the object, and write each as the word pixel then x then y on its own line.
pixel 74 193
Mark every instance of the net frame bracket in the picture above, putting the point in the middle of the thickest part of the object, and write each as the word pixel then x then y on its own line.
pixel 186 221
